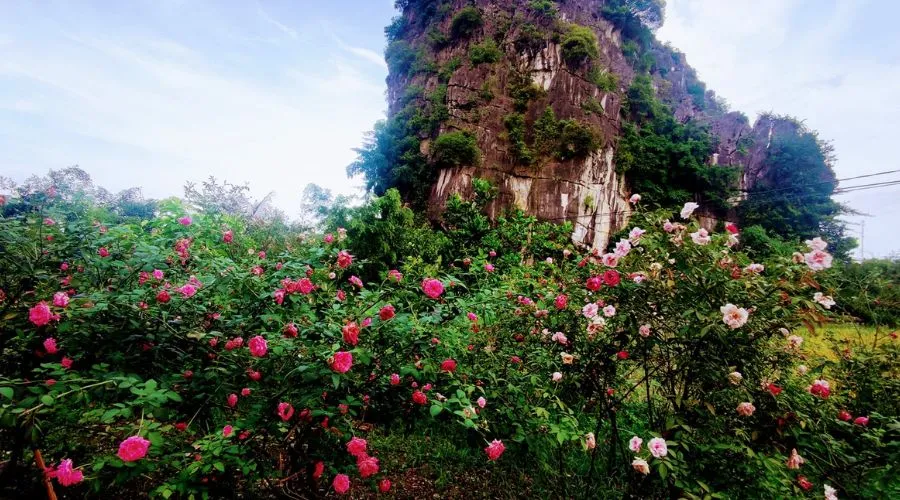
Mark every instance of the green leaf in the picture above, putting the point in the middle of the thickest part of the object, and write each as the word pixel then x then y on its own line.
pixel 435 409
pixel 219 466
pixel 7 392
pixel 335 380
pixel 663 470
pixel 48 400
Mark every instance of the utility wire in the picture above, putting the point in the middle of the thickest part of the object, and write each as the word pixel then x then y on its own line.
pixel 849 189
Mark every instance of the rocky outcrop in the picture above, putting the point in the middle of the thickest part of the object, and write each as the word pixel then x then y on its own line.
pixel 585 190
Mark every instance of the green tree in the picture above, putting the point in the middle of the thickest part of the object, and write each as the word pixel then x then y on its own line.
pixel 792 198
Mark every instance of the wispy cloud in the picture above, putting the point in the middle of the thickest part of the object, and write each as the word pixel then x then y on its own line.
pixel 274 22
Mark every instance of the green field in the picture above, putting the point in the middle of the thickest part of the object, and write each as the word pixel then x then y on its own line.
pixel 841 335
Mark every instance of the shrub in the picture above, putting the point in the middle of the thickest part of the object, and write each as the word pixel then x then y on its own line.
pixel 530 38
pixel 455 149
pixel 576 140
pixel 465 22
pixel 485 52
pixel 606 81
pixel 546 8
pixel 579 44
pixel 399 57
pixel 448 69
pixel 563 139
pixel 494 345
pixel 522 90
pixel 515 133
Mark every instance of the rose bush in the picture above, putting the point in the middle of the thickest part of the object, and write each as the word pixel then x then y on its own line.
pixel 206 354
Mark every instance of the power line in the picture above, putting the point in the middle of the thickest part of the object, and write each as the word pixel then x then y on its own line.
pixel 835 181
pixel 849 189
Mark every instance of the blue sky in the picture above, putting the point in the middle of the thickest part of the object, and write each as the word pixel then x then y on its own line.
pixel 277 93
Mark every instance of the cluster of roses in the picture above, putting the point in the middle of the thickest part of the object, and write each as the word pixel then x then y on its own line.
pixel 366 465
pixel 657 448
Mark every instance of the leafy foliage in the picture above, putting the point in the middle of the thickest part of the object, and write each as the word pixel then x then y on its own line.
pixel 666 161
pixel 793 198
pixel 165 370
pixel 485 52
pixel 455 149
pixel 563 139
pixel 579 44
pixel 465 22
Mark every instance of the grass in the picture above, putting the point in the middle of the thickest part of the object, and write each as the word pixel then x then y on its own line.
pixel 847 335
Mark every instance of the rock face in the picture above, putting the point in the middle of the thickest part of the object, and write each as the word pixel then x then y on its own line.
pixel 585 190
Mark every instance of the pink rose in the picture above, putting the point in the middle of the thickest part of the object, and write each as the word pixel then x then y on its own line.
pixel 344 259
pixel 66 474
pixel 387 312
pixel 50 346
pixel 60 299
pixel 66 362
pixel 561 301
pixel 285 411
pixel 40 314
pixel 861 421
pixel 341 484
pixel 419 398
pixel 644 330
pixel 594 283
pixel 366 465
pixel 227 430
pixel 134 448
pixel 658 447
pixel 258 346
pixel 341 362
pixel 232 400
pixel 356 446
pixel 395 379
pixel 495 449
pixel 635 444
pixel 103 252
pixel 433 288
pixel 384 485
pixel 448 365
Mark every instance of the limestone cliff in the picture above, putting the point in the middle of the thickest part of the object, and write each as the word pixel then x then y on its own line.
pixel 495 73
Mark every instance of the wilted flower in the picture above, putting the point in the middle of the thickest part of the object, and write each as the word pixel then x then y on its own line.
pixel 640 465
pixel 701 237
pixel 635 198
pixel 795 460
pixel 567 359
pixel 826 301
pixel 745 409
pixel 590 442
pixel 66 474
pixel 556 377
pixel 644 330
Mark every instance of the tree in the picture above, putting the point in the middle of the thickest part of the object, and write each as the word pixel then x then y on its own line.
pixel 792 199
